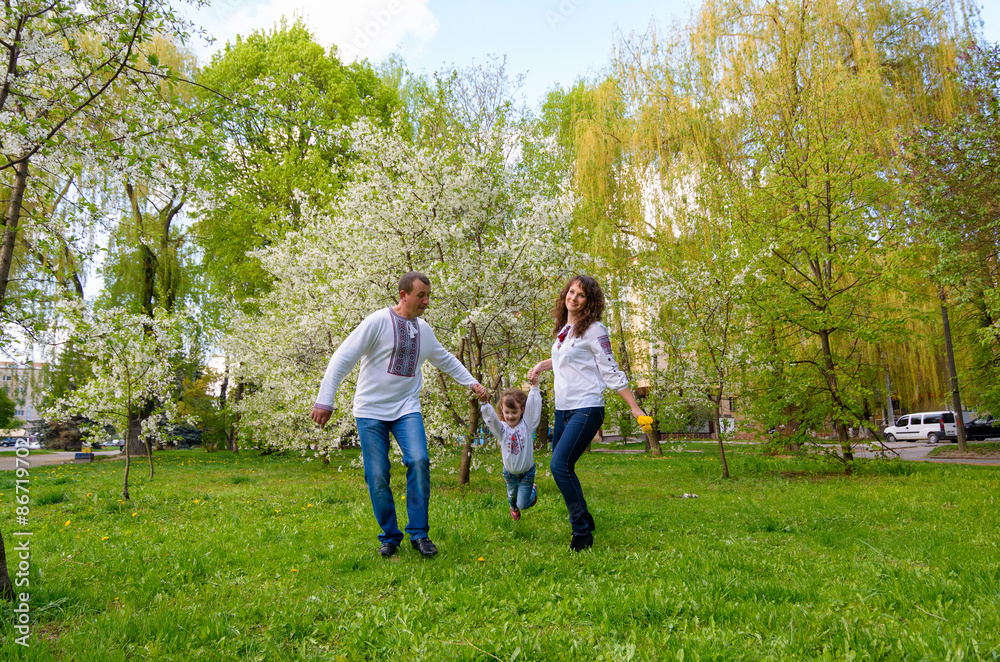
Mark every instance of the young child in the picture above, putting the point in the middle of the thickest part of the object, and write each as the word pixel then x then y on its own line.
pixel 520 414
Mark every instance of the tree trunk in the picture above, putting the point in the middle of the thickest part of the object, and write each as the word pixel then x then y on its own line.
pixel 653 443
pixel 829 373
pixel 956 396
pixel 542 431
pixel 128 467
pixel 231 435
pixel 133 437
pixel 717 413
pixel 6 587
pixel 10 228
pixel 470 435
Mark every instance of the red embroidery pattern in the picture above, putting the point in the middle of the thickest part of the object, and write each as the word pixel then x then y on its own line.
pixel 516 443
pixel 605 343
pixel 405 349
pixel 562 335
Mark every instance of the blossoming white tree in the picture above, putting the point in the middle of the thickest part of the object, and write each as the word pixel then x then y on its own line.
pixel 133 365
pixel 472 220
pixel 700 297
pixel 82 91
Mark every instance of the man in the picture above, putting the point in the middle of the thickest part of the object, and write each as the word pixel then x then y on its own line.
pixel 391 345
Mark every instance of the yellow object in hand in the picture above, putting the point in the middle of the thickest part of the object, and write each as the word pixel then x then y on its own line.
pixel 646 422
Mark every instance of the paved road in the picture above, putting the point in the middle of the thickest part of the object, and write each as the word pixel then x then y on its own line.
pixel 918 450
pixel 7 462
pixel 907 450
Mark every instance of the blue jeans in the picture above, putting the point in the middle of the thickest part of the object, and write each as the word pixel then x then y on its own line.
pixel 574 429
pixel 408 431
pixel 521 490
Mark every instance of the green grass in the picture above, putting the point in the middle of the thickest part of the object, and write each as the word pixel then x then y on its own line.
pixel 973 448
pixel 227 557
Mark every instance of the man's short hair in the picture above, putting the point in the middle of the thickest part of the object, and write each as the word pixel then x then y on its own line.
pixel 406 282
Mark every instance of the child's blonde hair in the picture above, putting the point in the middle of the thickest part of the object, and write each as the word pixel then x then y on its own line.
pixel 513 397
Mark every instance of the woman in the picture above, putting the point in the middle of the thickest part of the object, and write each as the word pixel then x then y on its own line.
pixel 584 366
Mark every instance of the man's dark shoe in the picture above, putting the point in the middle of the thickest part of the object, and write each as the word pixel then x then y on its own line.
pixel 580 543
pixel 388 549
pixel 424 546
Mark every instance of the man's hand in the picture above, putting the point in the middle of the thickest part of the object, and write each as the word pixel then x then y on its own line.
pixel 480 391
pixel 532 379
pixel 321 416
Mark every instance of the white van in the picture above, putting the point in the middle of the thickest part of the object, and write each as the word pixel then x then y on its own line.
pixel 930 425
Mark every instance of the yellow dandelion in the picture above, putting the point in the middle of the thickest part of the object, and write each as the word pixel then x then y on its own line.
pixel 67 523
pixel 197 500
pixel 134 514
pixel 90 494
pixel 105 538
pixel 481 558
pixel 294 570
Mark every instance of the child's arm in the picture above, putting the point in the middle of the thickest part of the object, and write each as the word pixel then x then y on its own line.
pixel 492 420
pixel 533 408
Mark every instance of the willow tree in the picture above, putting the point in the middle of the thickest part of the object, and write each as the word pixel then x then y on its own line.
pixel 613 220
pixel 954 176
pixel 786 117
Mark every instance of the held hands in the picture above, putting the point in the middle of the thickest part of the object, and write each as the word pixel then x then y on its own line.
pixel 537 370
pixel 480 392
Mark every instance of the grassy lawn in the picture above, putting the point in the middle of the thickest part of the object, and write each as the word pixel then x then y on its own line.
pixel 973 449
pixel 227 557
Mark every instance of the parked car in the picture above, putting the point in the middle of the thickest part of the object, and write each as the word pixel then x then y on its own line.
pixel 932 426
pixel 984 427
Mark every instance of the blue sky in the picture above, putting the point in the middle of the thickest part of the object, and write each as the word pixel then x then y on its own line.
pixel 550 41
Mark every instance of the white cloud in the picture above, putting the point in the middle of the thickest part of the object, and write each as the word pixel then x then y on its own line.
pixel 360 28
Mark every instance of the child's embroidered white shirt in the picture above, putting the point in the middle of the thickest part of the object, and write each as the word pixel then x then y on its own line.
pixel 515 442
pixel 391 349
pixel 584 367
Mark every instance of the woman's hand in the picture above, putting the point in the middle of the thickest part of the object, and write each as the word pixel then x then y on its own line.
pixel 646 422
pixel 538 369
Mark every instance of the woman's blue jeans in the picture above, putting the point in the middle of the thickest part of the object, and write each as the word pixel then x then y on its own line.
pixel 574 429
pixel 409 434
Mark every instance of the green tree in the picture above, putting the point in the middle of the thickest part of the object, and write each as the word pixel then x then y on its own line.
pixel 782 120
pixel 8 421
pixel 954 176
pixel 275 145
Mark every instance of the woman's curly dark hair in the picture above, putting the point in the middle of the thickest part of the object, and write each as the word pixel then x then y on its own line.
pixel 592 310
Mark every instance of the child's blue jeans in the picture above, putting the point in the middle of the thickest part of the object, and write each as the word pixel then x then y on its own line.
pixel 521 490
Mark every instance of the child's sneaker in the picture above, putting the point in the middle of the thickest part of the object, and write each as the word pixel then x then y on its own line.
pixel 515 513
